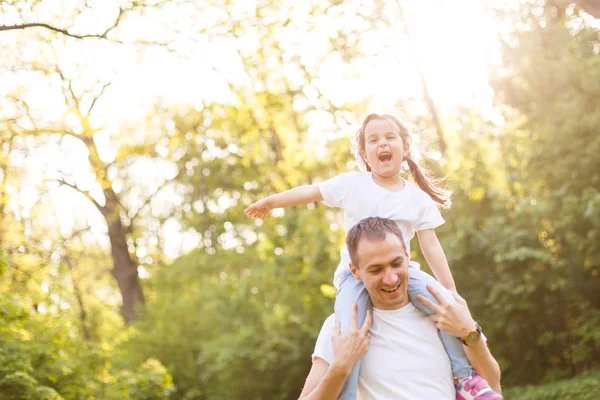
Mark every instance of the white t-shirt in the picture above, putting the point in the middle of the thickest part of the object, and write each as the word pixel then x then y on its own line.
pixel 360 197
pixel 405 361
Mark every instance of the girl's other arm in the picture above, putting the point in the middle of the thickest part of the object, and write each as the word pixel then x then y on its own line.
pixel 434 254
pixel 293 197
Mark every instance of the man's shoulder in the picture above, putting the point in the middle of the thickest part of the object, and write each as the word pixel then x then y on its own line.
pixel 329 323
pixel 323 346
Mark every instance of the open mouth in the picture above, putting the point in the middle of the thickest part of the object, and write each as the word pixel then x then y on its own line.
pixel 385 157
pixel 391 290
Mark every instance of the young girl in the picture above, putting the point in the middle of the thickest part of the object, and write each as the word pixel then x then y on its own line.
pixel 383 144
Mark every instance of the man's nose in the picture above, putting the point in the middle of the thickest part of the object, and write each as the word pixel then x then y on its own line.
pixel 389 277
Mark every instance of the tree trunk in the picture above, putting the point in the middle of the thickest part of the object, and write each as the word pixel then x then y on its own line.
pixel 124 266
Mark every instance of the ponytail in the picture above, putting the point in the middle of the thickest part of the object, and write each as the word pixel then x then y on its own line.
pixel 431 186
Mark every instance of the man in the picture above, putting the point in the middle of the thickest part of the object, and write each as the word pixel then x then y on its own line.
pixel 406 359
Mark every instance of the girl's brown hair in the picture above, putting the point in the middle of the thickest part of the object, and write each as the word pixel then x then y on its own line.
pixel 420 175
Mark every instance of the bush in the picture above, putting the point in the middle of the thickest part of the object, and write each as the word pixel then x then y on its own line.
pixel 42 359
pixel 20 385
pixel 150 381
pixel 582 387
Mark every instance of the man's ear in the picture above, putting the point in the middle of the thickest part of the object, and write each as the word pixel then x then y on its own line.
pixel 354 271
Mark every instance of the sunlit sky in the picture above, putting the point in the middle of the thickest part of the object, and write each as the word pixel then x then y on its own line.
pixel 452 40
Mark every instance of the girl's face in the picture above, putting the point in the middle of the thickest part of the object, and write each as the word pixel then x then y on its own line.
pixel 384 148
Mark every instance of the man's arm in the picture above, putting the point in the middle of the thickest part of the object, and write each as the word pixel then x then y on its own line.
pixel 325 381
pixel 456 319
pixel 483 362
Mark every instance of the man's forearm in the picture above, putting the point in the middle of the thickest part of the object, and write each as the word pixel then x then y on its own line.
pixel 330 385
pixel 483 362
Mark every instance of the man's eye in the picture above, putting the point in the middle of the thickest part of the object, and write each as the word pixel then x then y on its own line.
pixel 398 264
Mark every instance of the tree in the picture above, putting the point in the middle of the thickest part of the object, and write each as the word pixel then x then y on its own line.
pixel 81 92
pixel 523 232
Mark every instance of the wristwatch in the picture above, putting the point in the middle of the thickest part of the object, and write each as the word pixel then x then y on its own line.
pixel 472 337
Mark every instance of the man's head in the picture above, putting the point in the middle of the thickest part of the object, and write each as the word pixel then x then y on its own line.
pixel 380 260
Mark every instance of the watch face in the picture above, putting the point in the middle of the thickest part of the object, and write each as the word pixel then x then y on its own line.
pixel 472 337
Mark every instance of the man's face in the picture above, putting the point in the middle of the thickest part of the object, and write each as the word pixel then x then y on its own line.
pixel 383 269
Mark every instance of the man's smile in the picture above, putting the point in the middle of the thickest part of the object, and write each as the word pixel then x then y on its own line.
pixel 392 290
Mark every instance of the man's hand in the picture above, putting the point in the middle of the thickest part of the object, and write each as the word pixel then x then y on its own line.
pixel 260 209
pixel 349 347
pixel 325 380
pixel 454 318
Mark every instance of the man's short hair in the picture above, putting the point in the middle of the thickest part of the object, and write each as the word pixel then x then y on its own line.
pixel 373 229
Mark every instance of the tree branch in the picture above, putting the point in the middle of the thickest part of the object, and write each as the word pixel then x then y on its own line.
pixel 65 32
pixel 97 97
pixel 86 194
pixel 55 29
pixel 44 131
pixel 103 35
pixel 149 199
pixel 78 296
pixel 69 86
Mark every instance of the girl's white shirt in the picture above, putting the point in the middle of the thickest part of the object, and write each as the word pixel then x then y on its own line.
pixel 360 197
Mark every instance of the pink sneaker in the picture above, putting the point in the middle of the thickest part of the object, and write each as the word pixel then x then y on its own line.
pixel 475 388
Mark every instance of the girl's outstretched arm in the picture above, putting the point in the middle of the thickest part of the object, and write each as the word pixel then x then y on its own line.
pixel 299 195
pixel 434 254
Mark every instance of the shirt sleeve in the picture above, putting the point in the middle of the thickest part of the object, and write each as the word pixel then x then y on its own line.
pixel 333 190
pixel 429 217
pixel 324 347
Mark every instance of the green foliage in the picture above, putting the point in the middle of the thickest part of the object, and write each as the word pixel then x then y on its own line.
pixel 41 349
pixel 19 385
pixel 241 317
pixel 583 387
pixel 41 358
pixel 150 381
pixel 538 237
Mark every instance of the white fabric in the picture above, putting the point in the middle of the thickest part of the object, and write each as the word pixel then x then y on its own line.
pixel 405 361
pixel 360 197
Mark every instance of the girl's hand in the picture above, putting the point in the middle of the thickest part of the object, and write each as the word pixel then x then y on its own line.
pixel 453 318
pixel 260 209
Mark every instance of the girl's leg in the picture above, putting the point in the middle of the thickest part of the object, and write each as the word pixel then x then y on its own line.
pixel 352 291
pixel 417 284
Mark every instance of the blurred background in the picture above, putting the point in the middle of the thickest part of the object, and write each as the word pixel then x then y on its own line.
pixel 134 134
